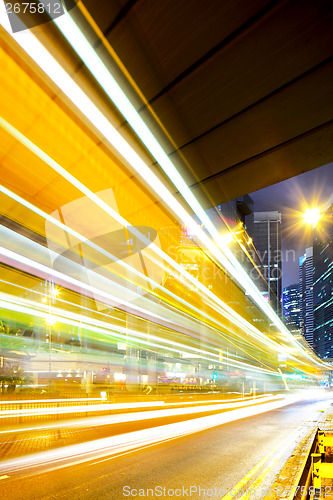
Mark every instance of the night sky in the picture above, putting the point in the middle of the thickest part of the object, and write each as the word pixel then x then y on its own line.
pixel 291 198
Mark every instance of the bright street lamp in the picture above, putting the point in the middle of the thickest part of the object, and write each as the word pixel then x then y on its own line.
pixel 312 216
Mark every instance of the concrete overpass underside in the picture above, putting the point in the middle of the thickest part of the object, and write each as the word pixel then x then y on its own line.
pixel 243 89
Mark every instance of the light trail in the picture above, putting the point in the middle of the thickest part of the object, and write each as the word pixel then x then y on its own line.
pixel 231 357
pixel 228 312
pixel 79 284
pixel 14 304
pixel 50 66
pixel 70 316
pixel 44 401
pixel 28 412
pixel 108 317
pixel 100 448
pixel 82 47
pixel 101 250
pixel 103 76
pixel 212 355
pixel 62 79
pixel 68 279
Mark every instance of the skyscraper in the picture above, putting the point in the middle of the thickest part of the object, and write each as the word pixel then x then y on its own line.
pixel 236 217
pixel 291 307
pixel 323 285
pixel 306 294
pixel 234 212
pixel 267 241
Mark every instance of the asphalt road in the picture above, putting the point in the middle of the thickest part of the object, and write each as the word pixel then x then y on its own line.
pixel 216 458
pixel 27 438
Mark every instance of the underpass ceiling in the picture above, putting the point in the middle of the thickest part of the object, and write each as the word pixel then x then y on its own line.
pixel 244 89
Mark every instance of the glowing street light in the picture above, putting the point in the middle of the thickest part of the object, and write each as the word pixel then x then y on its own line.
pixel 312 216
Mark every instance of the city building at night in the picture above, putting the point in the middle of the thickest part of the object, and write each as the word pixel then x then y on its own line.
pixel 238 211
pixel 291 307
pixel 306 294
pixel 267 241
pixel 323 285
pixel 235 220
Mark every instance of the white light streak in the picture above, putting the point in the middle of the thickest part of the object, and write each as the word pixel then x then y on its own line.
pixel 89 56
pixel 132 417
pixel 78 453
pixel 53 69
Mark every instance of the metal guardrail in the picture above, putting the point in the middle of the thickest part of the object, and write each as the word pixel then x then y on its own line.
pixel 316 482
pixel 20 406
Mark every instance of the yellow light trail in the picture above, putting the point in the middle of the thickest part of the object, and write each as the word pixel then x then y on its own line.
pixel 228 311
pixel 79 453
pixel 103 76
pixel 130 417
pixel 233 315
pixel 213 357
pixel 102 251
pixel 61 78
pixel 125 334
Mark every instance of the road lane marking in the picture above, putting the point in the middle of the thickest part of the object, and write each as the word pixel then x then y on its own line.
pixel 234 491
pixel 4 477
pixel 82 452
pixel 265 472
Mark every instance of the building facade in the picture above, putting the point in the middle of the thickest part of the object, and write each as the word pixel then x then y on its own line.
pixel 291 307
pixel 323 285
pixel 267 241
pixel 233 214
pixel 306 294
pixel 237 217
